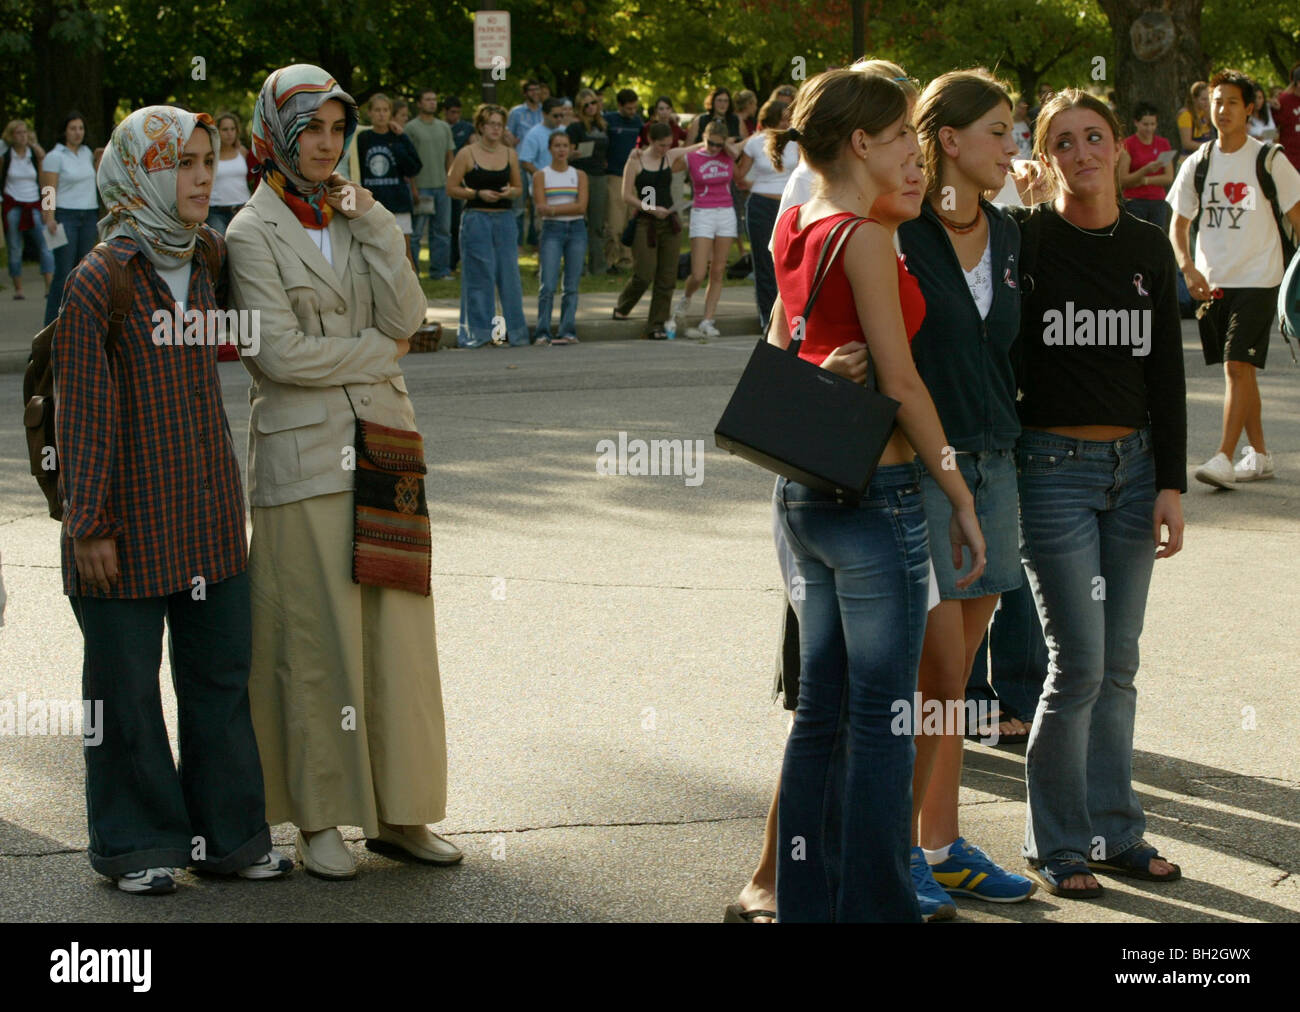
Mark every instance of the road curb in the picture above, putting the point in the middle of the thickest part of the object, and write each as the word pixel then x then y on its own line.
pixel 588 330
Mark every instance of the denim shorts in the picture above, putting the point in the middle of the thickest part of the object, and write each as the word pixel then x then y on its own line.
pixel 991 477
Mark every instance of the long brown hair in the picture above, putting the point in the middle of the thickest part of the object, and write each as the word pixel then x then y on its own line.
pixel 830 107
pixel 956 99
pixel 1073 98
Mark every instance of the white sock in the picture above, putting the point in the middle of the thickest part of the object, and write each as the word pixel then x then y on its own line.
pixel 936 856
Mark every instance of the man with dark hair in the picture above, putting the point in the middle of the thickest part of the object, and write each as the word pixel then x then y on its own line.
pixel 436 147
pixel 624 127
pixel 523 117
pixel 1144 169
pixel 1238 264
pixel 535 148
pixel 461 132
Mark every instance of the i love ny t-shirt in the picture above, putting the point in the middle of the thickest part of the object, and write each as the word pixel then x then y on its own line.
pixel 1237 244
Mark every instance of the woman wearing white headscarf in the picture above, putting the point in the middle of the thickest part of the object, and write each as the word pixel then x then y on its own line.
pixel 345 689
pixel 153 524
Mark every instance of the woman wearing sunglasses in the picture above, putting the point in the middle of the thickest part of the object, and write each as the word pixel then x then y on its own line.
pixel 588 127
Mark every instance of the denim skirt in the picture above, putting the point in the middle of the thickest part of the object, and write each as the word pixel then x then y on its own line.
pixel 991 477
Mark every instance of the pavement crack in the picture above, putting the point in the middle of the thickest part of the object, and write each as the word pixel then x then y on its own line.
pixel 44 853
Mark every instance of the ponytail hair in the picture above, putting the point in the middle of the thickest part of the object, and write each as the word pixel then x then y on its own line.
pixel 831 106
pixel 769 118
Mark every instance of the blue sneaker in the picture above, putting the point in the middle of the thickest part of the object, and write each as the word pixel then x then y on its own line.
pixel 969 872
pixel 935 904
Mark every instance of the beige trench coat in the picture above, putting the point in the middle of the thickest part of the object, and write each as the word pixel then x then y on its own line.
pixel 344 685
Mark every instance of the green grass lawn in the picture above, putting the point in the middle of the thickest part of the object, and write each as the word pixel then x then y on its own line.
pixel 528 268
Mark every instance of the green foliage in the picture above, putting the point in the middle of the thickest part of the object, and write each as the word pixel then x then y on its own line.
pixel 681 48
pixel 1260 38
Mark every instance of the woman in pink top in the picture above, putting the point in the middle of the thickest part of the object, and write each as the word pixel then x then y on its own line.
pixel 713 223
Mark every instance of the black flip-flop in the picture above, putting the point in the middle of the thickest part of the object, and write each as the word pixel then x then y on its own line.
pixel 1136 863
pixel 736 914
pixel 1052 873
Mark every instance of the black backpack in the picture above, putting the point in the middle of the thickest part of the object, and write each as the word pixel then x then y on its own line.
pixel 38 382
pixel 1264 177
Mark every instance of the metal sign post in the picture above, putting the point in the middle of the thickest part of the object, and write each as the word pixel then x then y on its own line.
pixel 491 47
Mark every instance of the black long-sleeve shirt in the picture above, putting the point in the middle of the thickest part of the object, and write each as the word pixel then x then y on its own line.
pixel 1100 335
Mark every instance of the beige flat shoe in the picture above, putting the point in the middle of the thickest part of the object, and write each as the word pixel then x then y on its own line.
pixel 417 841
pixel 325 855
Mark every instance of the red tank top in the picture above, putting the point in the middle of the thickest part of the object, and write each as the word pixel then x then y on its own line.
pixel 834 318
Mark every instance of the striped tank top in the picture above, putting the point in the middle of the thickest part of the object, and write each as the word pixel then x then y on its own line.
pixel 561 188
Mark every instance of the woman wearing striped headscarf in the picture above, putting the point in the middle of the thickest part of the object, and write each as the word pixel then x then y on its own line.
pixel 153 523
pixel 344 684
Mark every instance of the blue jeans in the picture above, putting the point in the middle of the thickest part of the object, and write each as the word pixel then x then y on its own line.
pixel 567 239
pixel 761 214
pixel 220 217
pixel 1018 653
pixel 14 238
pixel 1086 541
pixel 489 264
pixel 80 227
pixel 523 205
pixel 865 572
pixel 457 209
pixel 438 226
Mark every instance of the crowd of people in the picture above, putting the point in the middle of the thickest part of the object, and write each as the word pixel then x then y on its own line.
pixel 1061 465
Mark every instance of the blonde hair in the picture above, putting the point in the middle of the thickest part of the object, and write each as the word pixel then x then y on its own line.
pixel 891 70
pixel 486 110
pixel 11 128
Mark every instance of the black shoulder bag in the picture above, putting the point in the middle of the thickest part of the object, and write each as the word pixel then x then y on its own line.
pixel 802 421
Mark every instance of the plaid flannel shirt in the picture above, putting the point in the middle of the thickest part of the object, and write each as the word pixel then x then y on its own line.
pixel 145 451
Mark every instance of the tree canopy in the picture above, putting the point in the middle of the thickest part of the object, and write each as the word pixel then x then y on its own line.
pixel 107 57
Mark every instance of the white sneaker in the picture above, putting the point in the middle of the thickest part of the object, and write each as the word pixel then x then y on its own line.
pixel 707 329
pixel 1217 471
pixel 272 864
pixel 681 306
pixel 151 880
pixel 1253 466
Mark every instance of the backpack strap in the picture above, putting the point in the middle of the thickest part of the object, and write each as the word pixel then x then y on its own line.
pixel 1198 184
pixel 120 295
pixel 1268 187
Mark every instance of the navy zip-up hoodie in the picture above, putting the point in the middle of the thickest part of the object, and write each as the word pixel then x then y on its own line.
pixel 966 361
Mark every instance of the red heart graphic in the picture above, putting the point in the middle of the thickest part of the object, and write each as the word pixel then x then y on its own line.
pixel 1235 192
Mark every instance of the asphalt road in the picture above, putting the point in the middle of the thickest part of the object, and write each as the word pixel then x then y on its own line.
pixel 606 646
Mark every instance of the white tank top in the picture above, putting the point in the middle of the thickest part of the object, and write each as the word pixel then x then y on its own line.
pixel 561 188
pixel 230 184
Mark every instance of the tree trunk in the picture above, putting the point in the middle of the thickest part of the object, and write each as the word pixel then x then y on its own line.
pixel 66 76
pixel 1165 80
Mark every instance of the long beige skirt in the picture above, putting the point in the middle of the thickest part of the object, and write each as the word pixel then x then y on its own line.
pixel 344 686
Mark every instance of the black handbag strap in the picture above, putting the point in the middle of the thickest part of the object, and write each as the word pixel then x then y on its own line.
pixel 836 238
pixel 839 234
